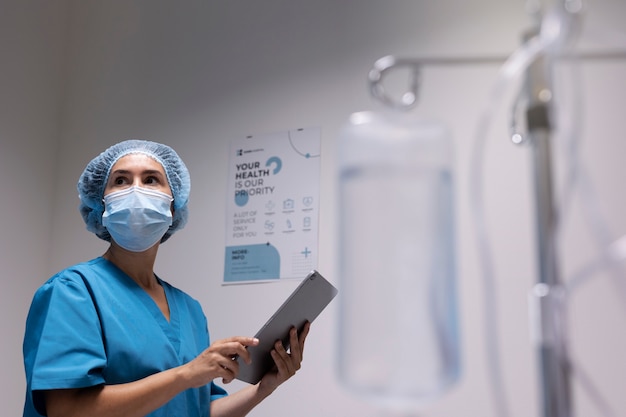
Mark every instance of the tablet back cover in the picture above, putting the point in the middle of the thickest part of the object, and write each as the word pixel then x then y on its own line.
pixel 304 304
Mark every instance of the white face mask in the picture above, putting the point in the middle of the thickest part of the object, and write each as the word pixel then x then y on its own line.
pixel 136 217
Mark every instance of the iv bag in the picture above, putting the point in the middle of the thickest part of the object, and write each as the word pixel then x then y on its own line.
pixel 398 336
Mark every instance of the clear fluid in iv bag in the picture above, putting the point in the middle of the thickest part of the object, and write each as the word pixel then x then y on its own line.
pixel 398 340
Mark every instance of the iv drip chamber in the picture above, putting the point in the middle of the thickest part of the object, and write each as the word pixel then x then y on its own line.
pixel 398 327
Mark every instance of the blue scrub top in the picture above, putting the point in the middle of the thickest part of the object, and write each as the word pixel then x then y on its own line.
pixel 91 324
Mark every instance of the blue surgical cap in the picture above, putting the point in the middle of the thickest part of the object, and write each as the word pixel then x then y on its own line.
pixel 94 178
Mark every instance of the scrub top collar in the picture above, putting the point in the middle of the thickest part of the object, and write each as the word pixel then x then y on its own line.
pixel 170 328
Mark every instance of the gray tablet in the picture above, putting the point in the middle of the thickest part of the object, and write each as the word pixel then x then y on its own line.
pixel 305 303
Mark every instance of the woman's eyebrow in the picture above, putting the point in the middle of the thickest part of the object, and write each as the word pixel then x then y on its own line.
pixel 144 172
pixel 152 172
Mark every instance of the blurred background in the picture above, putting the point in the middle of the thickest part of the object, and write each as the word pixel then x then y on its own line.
pixel 79 75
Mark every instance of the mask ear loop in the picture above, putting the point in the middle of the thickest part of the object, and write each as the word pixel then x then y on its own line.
pixel 384 65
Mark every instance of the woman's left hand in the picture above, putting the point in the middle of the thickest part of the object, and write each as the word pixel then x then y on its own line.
pixel 287 363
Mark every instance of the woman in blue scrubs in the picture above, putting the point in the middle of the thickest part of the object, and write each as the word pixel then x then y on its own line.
pixel 108 337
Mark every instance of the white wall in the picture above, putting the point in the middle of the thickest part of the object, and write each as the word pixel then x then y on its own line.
pixel 195 75
pixel 31 78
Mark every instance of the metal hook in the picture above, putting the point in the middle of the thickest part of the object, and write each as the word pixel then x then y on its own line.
pixel 375 78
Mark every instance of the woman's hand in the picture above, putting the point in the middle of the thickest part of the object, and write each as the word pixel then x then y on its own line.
pixel 287 363
pixel 143 396
pixel 219 360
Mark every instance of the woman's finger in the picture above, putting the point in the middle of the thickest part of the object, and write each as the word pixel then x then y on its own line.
pixel 285 362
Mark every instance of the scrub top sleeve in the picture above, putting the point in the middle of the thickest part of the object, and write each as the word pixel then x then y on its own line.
pixel 217 391
pixel 64 344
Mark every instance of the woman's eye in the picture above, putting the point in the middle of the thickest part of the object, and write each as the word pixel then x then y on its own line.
pixel 151 180
pixel 119 181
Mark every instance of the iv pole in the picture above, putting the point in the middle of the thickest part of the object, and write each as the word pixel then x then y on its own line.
pixel 547 297
pixel 552 349
pixel 548 293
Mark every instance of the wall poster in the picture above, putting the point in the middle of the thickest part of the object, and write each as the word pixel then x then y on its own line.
pixel 272 206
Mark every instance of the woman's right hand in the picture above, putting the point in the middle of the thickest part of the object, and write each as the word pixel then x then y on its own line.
pixel 219 360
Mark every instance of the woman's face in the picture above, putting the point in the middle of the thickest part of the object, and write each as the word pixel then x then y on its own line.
pixel 137 169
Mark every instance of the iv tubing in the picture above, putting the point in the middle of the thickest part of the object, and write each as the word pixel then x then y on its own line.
pixel 613 257
pixel 514 66
pixel 576 177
